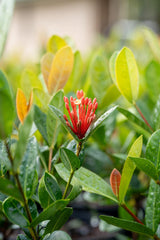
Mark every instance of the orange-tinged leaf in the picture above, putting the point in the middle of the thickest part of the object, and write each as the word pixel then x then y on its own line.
pixel 30 101
pixel 46 64
pixel 21 104
pixel 115 179
pixel 61 69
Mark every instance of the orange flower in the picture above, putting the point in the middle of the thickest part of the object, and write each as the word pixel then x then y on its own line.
pixel 21 104
pixel 82 114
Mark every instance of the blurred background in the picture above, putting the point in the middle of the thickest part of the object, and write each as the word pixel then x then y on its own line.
pixel 34 21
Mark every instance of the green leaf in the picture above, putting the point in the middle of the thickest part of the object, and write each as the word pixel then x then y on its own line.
pixel 153 150
pixel 7 117
pixel 76 190
pixel 57 235
pixel 133 118
pixel 89 181
pixel 55 43
pixel 156 115
pixel 129 167
pixel 153 42
pixel 98 122
pixel 4 86
pixel 111 95
pixel 75 80
pixel 28 174
pixel 6 11
pixel 30 80
pixel 69 159
pixel 152 74
pixel 146 166
pixel 52 186
pixel 99 75
pixel 112 66
pixel 22 142
pixel 4 160
pixel 152 215
pixel 43 194
pixel 41 99
pixel 59 220
pixel 15 212
pixel 59 115
pixel 49 212
pixel 127 74
pixel 53 123
pixel 40 120
pixel 128 225
pixel 8 188
pixel 23 237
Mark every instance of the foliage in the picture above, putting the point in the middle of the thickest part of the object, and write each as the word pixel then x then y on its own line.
pixel 45 164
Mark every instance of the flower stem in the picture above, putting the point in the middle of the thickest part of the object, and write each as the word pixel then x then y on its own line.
pixel 143 117
pixel 79 147
pixel 31 229
pixel 50 158
pixel 132 214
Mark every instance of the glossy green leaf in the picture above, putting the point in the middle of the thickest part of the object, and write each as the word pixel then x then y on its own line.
pixel 153 149
pixel 55 43
pixel 127 74
pixel 15 212
pixel 40 119
pixel 111 95
pixel 89 181
pixel 59 115
pixel 30 80
pixel 134 119
pixel 57 235
pixel 98 122
pixel 99 75
pixel 153 42
pixel 152 215
pixel 8 188
pixel 146 166
pixel 156 115
pixel 6 12
pixel 49 212
pixel 69 159
pixel 112 66
pixel 23 237
pixel 41 99
pixel 75 80
pixel 22 142
pixel 58 221
pixel 4 160
pixel 129 167
pixel 76 190
pixel 43 194
pixel 52 186
pixel 53 123
pixel 128 225
pixel 28 174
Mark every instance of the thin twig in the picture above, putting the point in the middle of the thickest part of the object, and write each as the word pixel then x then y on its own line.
pixel 132 214
pixel 50 159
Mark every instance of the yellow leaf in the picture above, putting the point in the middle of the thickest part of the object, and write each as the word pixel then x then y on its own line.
pixel 60 70
pixel 55 43
pixel 46 64
pixel 22 106
pixel 127 74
